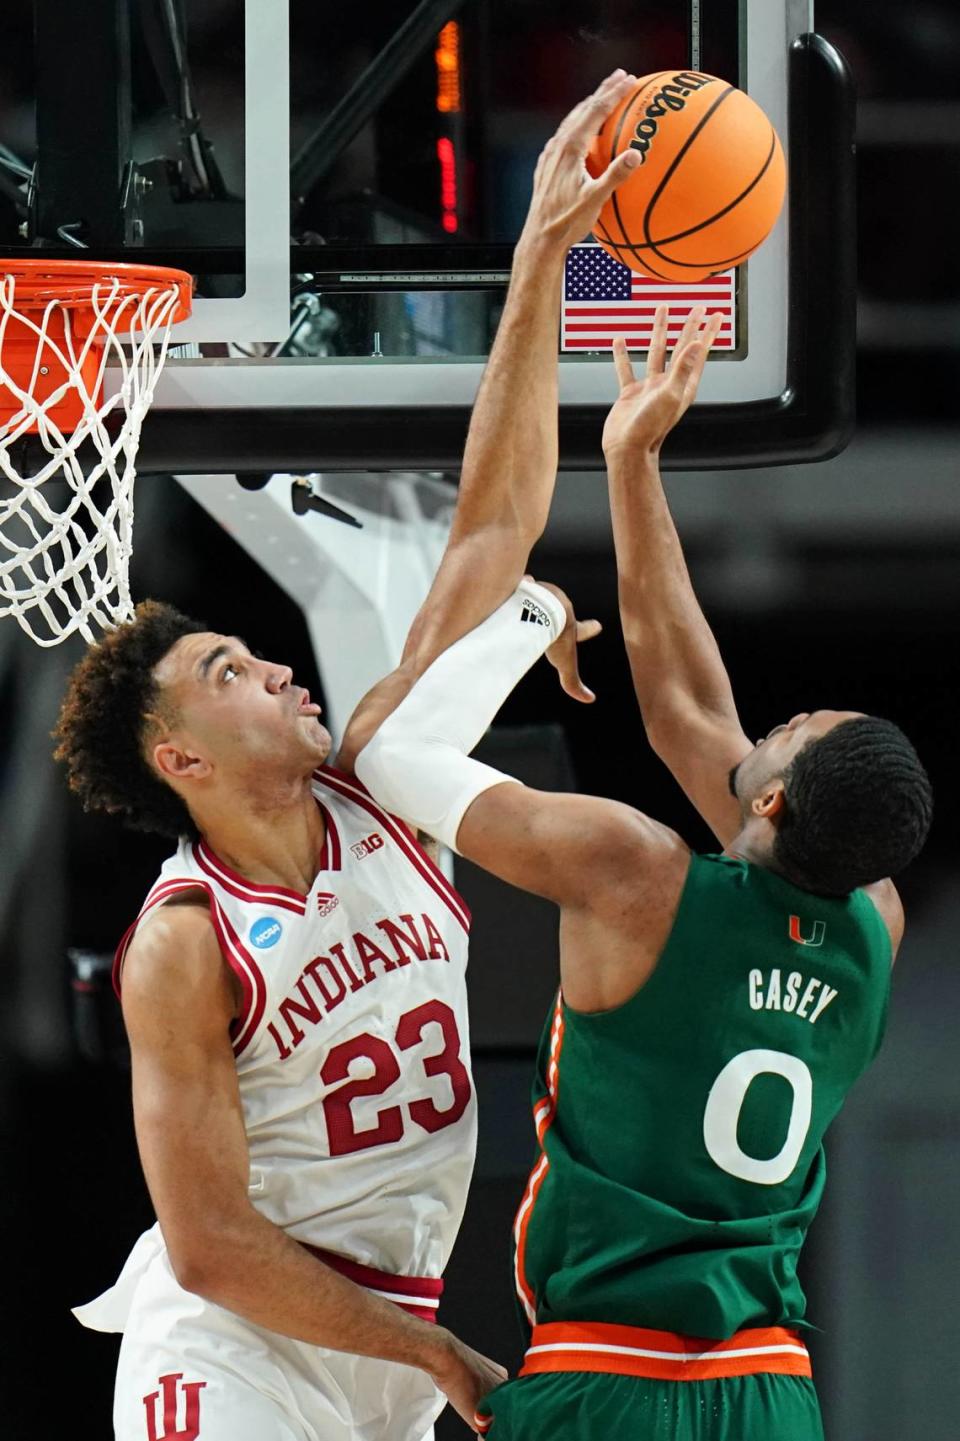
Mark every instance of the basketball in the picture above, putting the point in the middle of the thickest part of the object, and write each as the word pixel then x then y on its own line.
pixel 710 184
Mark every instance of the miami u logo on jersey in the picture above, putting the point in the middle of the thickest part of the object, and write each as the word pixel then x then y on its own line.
pixel 815 939
pixel 190 1429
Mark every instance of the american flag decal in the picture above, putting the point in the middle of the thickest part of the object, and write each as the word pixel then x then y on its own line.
pixel 603 299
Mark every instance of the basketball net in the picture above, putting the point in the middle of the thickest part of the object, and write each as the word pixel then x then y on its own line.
pixel 66 527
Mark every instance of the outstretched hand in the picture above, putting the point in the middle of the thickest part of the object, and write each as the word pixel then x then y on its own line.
pixel 563 655
pixel 646 410
pixel 566 200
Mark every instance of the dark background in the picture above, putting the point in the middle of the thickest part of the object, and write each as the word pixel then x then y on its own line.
pixel 835 585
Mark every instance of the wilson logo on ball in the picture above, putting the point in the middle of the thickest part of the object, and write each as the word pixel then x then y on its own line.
pixel 669 97
pixel 711 184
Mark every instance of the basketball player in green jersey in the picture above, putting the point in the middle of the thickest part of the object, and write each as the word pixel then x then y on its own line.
pixel 714 1010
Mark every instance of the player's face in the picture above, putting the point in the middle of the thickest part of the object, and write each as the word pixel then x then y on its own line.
pixel 236 708
pixel 772 755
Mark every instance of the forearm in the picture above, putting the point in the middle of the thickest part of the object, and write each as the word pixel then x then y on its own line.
pixel 255 1270
pixel 673 654
pixel 417 763
pixel 509 464
pixel 510 460
pixel 506 486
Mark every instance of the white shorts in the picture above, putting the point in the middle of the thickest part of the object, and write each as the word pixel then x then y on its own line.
pixel 191 1371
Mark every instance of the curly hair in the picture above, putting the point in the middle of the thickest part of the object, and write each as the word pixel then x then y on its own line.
pixel 102 728
pixel 858 806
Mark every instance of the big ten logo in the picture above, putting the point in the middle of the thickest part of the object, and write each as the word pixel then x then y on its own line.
pixel 368 846
pixel 184 1426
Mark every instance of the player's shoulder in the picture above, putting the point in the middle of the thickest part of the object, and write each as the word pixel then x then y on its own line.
pixel 631 849
pixel 886 898
pixel 173 946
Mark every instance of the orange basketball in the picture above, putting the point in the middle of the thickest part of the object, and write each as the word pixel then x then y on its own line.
pixel 710 184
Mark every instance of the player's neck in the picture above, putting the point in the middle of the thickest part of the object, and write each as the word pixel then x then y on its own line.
pixel 276 843
pixel 754 844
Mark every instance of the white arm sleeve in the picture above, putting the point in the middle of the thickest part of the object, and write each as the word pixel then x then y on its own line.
pixel 417 764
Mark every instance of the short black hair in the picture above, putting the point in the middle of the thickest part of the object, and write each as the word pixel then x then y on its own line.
pixel 858 806
pixel 101 732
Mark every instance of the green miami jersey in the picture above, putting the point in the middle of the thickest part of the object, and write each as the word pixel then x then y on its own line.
pixel 681 1134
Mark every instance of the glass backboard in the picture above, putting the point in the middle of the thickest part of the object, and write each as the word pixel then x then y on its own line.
pixel 347 188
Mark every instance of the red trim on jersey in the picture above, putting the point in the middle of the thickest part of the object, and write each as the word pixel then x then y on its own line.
pixel 328 770
pixel 543 1113
pixel 419 1295
pixel 238 958
pixel 245 890
pixel 161 891
pixel 245 1025
pixel 414 852
pixel 663 1355
pixel 356 781
pixel 332 853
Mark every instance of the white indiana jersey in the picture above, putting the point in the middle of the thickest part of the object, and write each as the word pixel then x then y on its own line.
pixel 352 1046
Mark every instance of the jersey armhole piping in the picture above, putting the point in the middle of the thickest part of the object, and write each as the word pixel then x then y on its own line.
pixel 235 954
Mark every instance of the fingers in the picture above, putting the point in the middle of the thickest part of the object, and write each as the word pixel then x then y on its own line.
pixel 687 364
pixel 598 106
pixel 712 328
pixel 621 360
pixel 615 174
pixel 657 353
pixel 690 361
pixel 566 661
pixel 691 328
pixel 585 119
pixel 693 345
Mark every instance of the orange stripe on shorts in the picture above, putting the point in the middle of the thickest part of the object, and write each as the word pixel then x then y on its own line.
pixel 663 1355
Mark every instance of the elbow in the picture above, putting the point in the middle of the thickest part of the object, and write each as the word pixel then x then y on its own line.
pixel 203 1261
pixel 661 735
pixel 372 765
pixel 196 1269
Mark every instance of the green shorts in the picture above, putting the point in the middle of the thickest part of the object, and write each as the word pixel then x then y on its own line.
pixel 581 1406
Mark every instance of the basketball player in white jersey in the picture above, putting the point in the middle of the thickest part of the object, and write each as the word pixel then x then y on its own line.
pixel 293 988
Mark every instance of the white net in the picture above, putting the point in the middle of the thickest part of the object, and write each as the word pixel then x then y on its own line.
pixel 66 499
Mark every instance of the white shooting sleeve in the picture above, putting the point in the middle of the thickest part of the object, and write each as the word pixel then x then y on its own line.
pixel 417 765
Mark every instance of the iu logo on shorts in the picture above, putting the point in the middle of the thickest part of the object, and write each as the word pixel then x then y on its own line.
pixel 172 1388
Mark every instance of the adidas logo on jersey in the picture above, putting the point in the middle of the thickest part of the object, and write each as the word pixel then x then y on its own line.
pixel 326 902
pixel 534 613
pixel 368 846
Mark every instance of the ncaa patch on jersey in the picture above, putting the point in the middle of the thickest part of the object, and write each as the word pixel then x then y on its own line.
pixel 265 932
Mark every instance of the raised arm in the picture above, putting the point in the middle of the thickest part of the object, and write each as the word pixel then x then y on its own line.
pixel 681 683
pixel 616 873
pixel 510 461
pixel 178 1004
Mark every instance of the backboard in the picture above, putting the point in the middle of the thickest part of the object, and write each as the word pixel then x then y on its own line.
pixel 348 194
